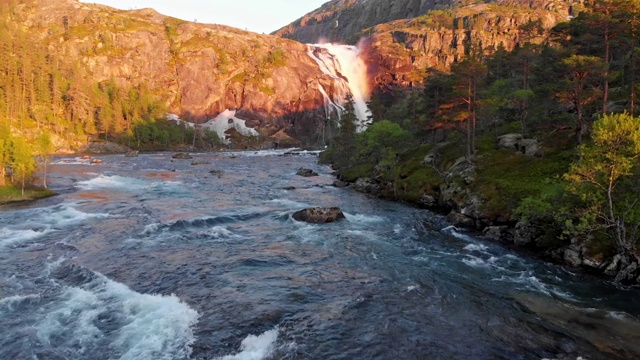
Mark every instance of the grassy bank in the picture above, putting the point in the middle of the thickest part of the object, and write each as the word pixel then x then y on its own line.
pixel 12 194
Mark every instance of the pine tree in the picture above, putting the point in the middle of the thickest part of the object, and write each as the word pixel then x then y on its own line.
pixel 468 75
pixel 582 75
pixel 345 141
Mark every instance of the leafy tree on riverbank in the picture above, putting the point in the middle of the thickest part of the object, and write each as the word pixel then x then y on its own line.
pixel 22 162
pixel 607 180
pixel 4 156
pixel 548 94
pixel 44 148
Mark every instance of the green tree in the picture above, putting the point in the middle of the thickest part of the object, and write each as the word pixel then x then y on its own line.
pixel 468 77
pixel 597 33
pixel 582 74
pixel 22 162
pixel 44 147
pixel 384 137
pixel 4 152
pixel 599 177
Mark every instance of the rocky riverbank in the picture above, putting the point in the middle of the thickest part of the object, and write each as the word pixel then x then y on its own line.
pixel 462 190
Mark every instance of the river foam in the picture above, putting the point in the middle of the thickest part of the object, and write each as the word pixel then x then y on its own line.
pixel 125 183
pixel 256 347
pixel 43 221
pixel 94 312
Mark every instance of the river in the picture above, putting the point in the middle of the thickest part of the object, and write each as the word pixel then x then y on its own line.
pixel 156 258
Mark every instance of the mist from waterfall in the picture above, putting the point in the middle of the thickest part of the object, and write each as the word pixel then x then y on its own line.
pixel 344 64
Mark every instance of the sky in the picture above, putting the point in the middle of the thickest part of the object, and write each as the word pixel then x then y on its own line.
pixel 261 16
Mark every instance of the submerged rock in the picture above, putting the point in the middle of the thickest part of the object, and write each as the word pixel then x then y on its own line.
pixel 306 172
pixel 182 156
pixel 340 184
pixel 200 162
pixel 218 173
pixel 319 215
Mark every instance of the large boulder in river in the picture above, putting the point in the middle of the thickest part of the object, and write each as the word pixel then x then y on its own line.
pixel 319 215
pixel 182 156
pixel 306 172
pixel 340 184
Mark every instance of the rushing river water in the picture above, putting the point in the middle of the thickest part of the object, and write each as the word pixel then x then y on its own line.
pixel 155 258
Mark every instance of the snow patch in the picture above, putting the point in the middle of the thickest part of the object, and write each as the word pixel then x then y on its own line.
pixel 220 124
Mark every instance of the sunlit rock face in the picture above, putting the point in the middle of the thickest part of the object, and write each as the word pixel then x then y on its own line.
pixel 200 70
pixel 279 86
pixel 402 38
pixel 346 21
pixel 400 51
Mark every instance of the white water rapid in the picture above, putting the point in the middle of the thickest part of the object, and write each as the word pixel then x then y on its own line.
pixel 344 64
pixel 151 258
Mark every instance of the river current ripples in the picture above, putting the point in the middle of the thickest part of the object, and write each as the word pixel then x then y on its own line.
pixel 159 258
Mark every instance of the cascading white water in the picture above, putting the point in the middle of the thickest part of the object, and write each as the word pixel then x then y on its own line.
pixel 344 65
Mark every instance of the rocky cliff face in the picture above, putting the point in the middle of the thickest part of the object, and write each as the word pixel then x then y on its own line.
pixel 402 38
pixel 346 20
pixel 398 52
pixel 200 70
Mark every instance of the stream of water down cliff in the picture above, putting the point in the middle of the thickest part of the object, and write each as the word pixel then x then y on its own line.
pixel 136 261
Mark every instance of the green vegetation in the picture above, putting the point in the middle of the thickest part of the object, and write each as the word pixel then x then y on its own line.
pixel 11 194
pixel 606 178
pixel 16 154
pixel 573 97
pixel 48 102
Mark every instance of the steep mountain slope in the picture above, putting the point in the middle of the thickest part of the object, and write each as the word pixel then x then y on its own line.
pixel 398 52
pixel 400 39
pixel 200 70
pixel 344 20
pixel 277 84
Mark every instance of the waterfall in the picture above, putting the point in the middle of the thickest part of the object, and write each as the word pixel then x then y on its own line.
pixel 344 65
